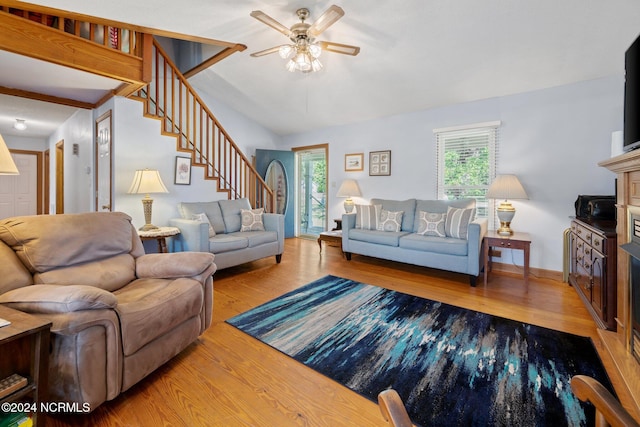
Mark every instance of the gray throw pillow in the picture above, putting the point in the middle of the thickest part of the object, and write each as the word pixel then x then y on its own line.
pixel 367 216
pixel 432 224
pixel 457 223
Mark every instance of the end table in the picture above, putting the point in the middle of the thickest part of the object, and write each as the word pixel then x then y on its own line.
pixel 160 234
pixel 517 240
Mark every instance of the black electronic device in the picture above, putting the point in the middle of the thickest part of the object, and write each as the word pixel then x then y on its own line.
pixel 632 97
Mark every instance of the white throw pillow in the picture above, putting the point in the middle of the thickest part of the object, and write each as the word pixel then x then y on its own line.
pixel 202 217
pixel 457 223
pixel 367 216
pixel 432 224
pixel 252 219
pixel 390 221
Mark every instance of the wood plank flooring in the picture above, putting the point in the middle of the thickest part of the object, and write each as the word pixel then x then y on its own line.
pixel 227 378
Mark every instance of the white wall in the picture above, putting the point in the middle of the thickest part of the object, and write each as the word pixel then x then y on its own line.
pixel 138 144
pixel 552 139
pixel 78 169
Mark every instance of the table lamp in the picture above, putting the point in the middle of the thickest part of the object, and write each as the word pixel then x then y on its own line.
pixel 349 188
pixel 506 187
pixel 7 165
pixel 147 181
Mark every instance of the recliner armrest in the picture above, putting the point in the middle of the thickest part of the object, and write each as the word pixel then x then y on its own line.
pixel 58 298
pixel 196 265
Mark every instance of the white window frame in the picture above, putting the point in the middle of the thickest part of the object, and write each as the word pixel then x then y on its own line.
pixel 453 135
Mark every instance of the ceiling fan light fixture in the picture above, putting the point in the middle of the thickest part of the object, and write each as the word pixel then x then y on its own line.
pixel 285 51
pixel 315 50
pixel 291 66
pixel 303 61
pixel 316 65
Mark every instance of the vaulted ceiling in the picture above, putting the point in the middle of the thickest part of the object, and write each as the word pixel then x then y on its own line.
pixel 415 54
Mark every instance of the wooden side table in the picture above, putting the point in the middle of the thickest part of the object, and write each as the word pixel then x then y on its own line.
pixel 160 234
pixel 517 240
pixel 24 345
pixel 334 237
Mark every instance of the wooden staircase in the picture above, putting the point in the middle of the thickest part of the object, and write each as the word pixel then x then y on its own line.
pixel 172 100
pixel 147 74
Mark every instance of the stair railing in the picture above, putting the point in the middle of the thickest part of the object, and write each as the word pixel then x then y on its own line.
pixel 170 98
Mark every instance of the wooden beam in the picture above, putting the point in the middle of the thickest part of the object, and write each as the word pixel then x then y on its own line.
pixel 214 59
pixel 46 98
pixel 38 41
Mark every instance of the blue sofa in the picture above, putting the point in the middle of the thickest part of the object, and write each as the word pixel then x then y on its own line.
pixel 453 246
pixel 225 240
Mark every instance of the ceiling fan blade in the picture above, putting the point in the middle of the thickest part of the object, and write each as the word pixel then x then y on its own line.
pixel 344 49
pixel 266 19
pixel 328 18
pixel 266 51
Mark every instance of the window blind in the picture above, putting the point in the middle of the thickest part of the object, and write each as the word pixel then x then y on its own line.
pixel 467 159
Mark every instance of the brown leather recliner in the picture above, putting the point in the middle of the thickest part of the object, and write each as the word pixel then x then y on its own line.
pixel 117 313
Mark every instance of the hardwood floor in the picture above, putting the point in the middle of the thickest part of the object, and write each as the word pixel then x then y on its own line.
pixel 230 379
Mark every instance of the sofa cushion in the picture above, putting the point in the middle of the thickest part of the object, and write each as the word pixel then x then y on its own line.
pixel 390 221
pixel 457 222
pixel 108 274
pixel 256 238
pixel 58 299
pixel 431 224
pixel 211 209
pixel 441 245
pixel 406 206
pixel 440 206
pixel 367 216
pixel 37 240
pixel 202 217
pixel 231 213
pixel 149 308
pixel 252 219
pixel 388 238
pixel 228 242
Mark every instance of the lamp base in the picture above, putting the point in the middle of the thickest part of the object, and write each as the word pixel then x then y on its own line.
pixel 147 203
pixel 505 212
pixel 148 227
pixel 348 205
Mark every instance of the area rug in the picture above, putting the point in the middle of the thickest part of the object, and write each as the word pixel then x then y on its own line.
pixel 451 366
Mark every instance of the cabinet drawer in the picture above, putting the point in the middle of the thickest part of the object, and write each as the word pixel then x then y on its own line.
pixel 583 232
pixel 598 242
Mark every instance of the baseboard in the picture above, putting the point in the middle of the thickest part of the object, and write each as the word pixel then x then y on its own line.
pixel 533 272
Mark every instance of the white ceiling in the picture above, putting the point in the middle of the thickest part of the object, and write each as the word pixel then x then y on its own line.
pixel 415 54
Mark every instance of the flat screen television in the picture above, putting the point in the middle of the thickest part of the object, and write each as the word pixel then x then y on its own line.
pixel 632 97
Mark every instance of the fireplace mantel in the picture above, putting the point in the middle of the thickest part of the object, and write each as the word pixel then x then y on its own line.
pixel 618 344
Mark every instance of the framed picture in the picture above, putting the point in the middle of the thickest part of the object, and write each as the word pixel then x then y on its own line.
pixel 103 163
pixel 354 162
pixel 183 171
pixel 380 163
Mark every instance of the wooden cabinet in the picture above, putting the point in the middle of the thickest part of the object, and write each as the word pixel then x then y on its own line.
pixel 24 350
pixel 593 268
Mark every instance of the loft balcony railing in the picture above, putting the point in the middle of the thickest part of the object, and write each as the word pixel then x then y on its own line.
pixel 170 98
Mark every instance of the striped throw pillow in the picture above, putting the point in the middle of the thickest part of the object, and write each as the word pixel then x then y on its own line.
pixel 367 216
pixel 457 223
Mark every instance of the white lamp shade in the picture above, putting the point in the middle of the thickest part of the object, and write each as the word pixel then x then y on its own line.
pixel 349 188
pixel 506 187
pixel 147 181
pixel 7 165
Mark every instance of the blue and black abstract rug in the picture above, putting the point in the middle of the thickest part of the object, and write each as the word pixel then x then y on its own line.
pixel 451 366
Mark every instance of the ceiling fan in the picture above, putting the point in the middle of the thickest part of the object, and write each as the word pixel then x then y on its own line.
pixel 304 52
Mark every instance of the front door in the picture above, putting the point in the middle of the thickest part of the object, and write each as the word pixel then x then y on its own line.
pixel 104 164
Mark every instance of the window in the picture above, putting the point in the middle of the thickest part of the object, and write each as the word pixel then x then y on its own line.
pixel 467 158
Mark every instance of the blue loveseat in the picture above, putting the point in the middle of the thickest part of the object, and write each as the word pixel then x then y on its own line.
pixel 216 227
pixel 439 234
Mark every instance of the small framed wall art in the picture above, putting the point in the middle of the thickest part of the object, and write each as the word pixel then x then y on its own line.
pixel 354 162
pixel 380 163
pixel 183 171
